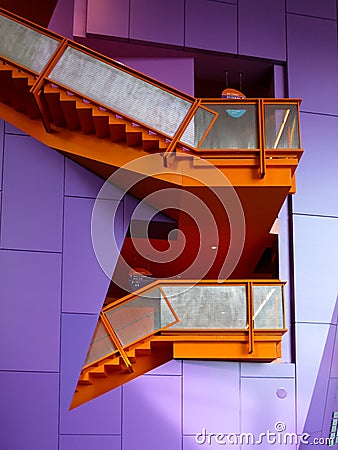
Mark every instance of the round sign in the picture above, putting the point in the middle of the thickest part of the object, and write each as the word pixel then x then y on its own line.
pixel 234 94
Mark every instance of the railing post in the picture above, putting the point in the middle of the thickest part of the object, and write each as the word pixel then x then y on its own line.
pixel 116 341
pixel 38 85
pixel 250 318
pixel 181 129
pixel 262 159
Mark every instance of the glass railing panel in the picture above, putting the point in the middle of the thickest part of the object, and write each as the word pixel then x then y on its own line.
pixel 101 344
pixel 206 307
pixel 121 91
pixel 25 46
pixel 236 127
pixel 140 317
pixel 281 126
pixel 197 127
pixel 268 307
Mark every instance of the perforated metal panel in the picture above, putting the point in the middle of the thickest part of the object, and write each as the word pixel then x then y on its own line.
pixel 100 346
pixel 121 91
pixel 208 307
pixel 268 307
pixel 24 45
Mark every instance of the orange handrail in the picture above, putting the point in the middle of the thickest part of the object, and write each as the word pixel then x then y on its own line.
pixel 175 139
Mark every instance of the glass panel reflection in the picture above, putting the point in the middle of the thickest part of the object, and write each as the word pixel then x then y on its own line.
pixel 208 307
pixel 140 317
pixel 235 127
pixel 268 307
pixel 281 126
pixel 101 344
pixel 197 127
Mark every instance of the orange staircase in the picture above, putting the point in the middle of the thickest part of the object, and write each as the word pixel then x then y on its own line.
pixel 167 320
pixel 46 91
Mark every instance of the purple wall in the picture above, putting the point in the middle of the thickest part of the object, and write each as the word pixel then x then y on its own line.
pixel 52 288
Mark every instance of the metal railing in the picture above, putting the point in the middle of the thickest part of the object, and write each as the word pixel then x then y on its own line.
pixel 223 128
pixel 205 306
pixel 98 80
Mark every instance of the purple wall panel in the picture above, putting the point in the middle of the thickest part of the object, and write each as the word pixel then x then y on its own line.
pixel 11 129
pixel 33 196
pixel 62 19
pixel 30 292
pixel 210 396
pixel 90 442
pixel 99 416
pixel 317 175
pixel 173 367
pixel 315 279
pixel 79 182
pixel 152 413
pixel 262 409
pixel 262 28
pixel 108 17
pixel 151 20
pixel 176 72
pixel 313 63
pixel 29 411
pixel 326 9
pixel 211 25
pixel 84 282
pixel 76 334
pixel 267 370
pixel 308 359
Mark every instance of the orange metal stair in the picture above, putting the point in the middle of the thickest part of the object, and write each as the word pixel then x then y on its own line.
pixel 111 372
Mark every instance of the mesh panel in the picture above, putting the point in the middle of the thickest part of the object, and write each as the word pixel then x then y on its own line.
pixel 281 126
pixel 140 317
pixel 235 127
pixel 100 346
pixel 268 307
pixel 24 45
pixel 208 307
pixel 120 91
pixel 197 127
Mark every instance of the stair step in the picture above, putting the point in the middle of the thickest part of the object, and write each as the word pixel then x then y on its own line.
pixel 98 372
pixel 133 135
pixel 84 382
pixel 68 105
pixel 22 99
pixel 101 123
pixel 52 97
pixel 113 364
pixel 84 113
pixel 144 348
pixel 131 354
pixel 153 142
pixel 117 128
pixel 6 83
